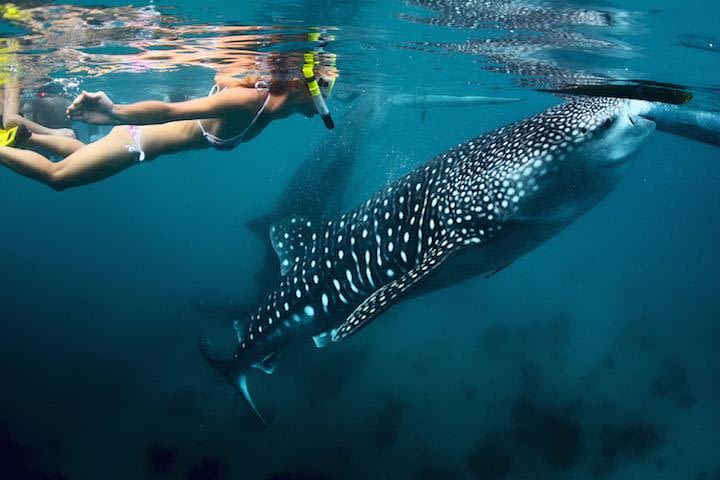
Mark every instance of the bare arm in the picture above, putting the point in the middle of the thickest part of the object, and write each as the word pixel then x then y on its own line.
pixel 97 108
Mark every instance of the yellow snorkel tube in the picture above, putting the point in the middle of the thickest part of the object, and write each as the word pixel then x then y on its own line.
pixel 316 94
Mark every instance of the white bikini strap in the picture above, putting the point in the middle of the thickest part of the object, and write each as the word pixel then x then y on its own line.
pixel 257 115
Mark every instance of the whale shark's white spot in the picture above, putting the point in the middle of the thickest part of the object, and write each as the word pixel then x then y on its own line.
pixel 390 247
pixel 328 263
pixel 349 276
pixel 368 274
pixel 316 279
pixel 341 254
pixel 309 311
pixel 324 299
pixel 298 293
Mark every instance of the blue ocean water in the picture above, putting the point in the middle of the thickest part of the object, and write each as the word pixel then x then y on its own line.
pixel 595 355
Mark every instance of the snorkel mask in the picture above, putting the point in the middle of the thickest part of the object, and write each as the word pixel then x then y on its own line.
pixel 321 88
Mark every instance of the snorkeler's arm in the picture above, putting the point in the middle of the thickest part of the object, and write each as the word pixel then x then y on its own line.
pixel 11 111
pixel 98 108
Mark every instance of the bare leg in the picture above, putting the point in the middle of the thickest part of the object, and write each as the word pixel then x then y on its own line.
pixel 54 144
pixel 91 163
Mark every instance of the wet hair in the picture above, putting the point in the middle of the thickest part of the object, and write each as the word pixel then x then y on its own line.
pixel 278 70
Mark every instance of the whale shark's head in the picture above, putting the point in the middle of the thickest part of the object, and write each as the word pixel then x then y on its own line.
pixel 559 163
pixel 604 132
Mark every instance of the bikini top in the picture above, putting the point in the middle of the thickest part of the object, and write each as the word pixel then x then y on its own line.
pixel 229 143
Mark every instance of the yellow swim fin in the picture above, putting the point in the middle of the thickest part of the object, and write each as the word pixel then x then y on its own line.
pixel 14 136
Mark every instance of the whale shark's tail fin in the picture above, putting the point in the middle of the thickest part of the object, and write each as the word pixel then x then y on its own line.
pixel 228 369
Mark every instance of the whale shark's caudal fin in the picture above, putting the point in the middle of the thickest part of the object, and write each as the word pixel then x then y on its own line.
pixel 227 369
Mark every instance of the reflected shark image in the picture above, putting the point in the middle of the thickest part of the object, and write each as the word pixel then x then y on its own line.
pixel 470 211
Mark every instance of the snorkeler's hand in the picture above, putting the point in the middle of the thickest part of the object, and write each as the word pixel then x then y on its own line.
pixel 92 107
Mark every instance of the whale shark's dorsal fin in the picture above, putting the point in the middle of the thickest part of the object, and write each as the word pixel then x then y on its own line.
pixel 289 238
pixel 386 295
pixel 267 364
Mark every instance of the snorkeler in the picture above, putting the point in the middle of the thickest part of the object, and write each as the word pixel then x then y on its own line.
pixel 235 111
pixel 44 114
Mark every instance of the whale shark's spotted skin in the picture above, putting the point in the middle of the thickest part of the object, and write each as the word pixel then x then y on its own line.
pixel 497 195
pixel 508 15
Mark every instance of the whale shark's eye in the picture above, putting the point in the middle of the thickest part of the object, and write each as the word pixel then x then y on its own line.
pixel 607 123
pixel 583 130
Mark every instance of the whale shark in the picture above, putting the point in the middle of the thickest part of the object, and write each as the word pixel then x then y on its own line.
pixel 469 211
pixel 318 186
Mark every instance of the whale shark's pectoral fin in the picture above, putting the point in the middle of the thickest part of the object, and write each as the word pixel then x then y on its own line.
pixel 289 238
pixel 386 295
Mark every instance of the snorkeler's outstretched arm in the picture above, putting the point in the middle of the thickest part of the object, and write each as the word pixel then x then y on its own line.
pixel 97 108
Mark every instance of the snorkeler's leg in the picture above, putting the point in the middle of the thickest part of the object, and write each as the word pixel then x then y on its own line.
pixel 54 144
pixel 92 163
pixel 13 118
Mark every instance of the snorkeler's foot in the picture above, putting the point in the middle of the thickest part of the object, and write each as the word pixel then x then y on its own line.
pixel 15 136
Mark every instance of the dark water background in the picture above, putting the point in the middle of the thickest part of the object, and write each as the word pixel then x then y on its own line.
pixel 595 356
